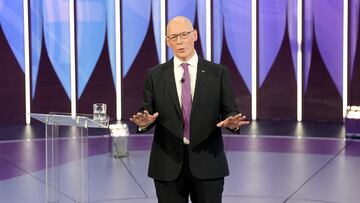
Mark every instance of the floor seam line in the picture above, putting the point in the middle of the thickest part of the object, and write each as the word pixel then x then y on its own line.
pixel 317 171
pixel 136 181
pixel 36 178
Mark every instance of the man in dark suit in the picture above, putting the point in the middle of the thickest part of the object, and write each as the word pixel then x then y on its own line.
pixel 188 99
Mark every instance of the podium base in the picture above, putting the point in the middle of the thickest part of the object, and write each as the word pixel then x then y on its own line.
pixel 119 147
pixel 119 133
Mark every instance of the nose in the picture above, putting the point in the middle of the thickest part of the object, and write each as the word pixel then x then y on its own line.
pixel 179 40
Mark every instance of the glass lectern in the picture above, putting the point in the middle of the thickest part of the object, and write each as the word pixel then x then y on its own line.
pixel 71 151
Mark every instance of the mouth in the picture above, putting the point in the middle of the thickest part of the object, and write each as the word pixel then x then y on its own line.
pixel 181 50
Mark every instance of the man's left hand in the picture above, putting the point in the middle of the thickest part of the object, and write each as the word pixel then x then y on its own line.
pixel 233 122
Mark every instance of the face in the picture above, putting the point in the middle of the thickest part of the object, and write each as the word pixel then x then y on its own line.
pixel 181 38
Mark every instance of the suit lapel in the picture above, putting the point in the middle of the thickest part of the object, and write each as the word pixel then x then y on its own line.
pixel 170 81
pixel 199 85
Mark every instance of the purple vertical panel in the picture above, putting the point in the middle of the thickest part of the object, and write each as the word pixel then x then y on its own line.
pixel 50 95
pixel 157 25
pixel 353 29
pixel 232 46
pixel 12 85
pixel 95 78
pixel 201 25
pixel 277 77
pixel 12 23
pixel 354 88
pixel 36 26
pixel 308 30
pixel 217 30
pixel 100 86
pixel 133 13
pixel 323 81
pixel 292 7
pixel 328 24
pixel 145 55
pixel 52 88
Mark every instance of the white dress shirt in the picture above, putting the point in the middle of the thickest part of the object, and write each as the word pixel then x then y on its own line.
pixel 178 72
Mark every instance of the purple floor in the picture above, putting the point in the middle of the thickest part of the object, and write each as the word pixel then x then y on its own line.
pixel 264 169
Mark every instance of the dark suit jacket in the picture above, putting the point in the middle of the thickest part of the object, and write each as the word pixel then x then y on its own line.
pixel 213 101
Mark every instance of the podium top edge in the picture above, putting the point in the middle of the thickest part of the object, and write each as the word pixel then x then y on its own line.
pixel 65 119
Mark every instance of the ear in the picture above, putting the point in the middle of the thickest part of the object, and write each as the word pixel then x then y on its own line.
pixel 195 35
pixel 167 42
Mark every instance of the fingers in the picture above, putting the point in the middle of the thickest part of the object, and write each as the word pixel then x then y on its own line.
pixel 233 121
pixel 237 116
pixel 243 123
pixel 144 119
pixel 240 121
pixel 155 115
pixel 225 122
pixel 220 124
pixel 137 118
pixel 146 113
pixel 152 118
pixel 140 115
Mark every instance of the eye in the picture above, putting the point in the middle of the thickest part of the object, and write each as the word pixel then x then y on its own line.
pixel 173 37
pixel 184 34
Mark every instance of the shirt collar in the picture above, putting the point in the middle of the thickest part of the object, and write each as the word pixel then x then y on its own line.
pixel 192 61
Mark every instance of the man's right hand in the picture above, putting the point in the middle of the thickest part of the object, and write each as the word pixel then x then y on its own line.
pixel 144 119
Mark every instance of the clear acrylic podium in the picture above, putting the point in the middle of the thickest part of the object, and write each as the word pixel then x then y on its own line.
pixel 70 151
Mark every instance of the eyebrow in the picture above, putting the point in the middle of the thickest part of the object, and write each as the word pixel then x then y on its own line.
pixel 180 33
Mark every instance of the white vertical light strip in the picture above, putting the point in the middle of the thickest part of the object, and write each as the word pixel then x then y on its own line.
pixel 163 30
pixel 27 61
pixel 118 60
pixel 345 56
pixel 72 56
pixel 299 66
pixel 253 58
pixel 208 30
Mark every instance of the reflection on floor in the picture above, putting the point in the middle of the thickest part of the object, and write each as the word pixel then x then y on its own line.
pixel 305 166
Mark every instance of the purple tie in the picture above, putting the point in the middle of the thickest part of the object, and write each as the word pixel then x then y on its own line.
pixel 186 99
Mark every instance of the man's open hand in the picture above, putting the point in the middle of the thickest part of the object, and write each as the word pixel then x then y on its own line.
pixel 144 119
pixel 233 122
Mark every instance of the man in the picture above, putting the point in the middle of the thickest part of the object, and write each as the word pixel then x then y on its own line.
pixel 188 99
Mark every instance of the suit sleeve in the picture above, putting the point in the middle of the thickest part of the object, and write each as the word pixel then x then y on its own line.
pixel 228 102
pixel 148 101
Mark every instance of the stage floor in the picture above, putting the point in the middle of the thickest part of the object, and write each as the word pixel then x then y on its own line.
pixel 267 168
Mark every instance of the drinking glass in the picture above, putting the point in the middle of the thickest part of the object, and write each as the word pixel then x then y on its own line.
pixel 99 112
